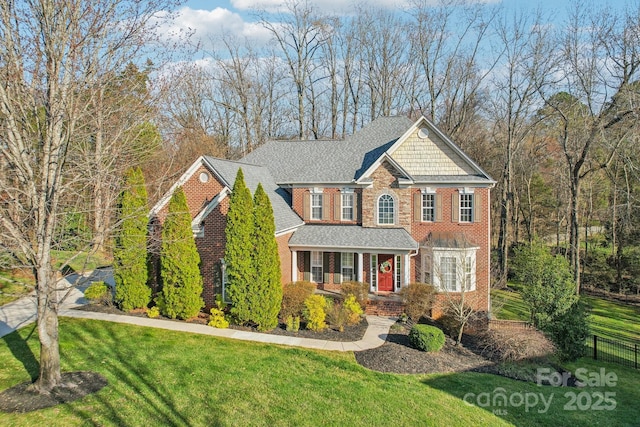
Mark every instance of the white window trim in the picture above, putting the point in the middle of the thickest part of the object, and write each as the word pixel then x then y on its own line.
pixel 349 267
pixel 463 257
pixel 395 209
pixel 312 265
pixel 373 277
pixel 397 274
pixel 464 192
pixel 432 192
pixel 347 192
pixel 316 192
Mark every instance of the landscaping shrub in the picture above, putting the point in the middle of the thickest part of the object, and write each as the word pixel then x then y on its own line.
pixel 314 312
pixel 239 250
pixel 418 299
pixel 426 338
pixel 153 312
pixel 337 314
pixel 353 309
pixel 265 297
pixel 179 263
pixel 217 319
pixel 511 345
pixel 359 290
pixel 98 293
pixel 130 270
pixel 293 323
pixel 570 331
pixel 293 296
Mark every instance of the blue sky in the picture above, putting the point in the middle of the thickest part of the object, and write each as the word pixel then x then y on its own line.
pixel 210 18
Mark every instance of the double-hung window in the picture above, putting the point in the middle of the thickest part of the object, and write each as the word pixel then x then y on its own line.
pixel 347 206
pixel 316 206
pixel 451 270
pixel 346 259
pixel 386 209
pixel 316 267
pixel 448 270
pixel 429 207
pixel 466 207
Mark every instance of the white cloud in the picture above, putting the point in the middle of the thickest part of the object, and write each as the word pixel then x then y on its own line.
pixel 208 26
pixel 325 6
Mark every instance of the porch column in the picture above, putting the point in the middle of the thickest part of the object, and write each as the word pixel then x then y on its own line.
pixel 294 266
pixel 407 270
pixel 360 267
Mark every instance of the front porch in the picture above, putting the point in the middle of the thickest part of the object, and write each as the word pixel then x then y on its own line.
pixel 330 255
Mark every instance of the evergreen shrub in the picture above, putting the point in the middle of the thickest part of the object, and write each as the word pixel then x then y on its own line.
pixel 314 312
pixel 426 338
pixel 98 293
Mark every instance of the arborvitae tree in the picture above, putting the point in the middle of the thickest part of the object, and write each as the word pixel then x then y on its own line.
pixel 130 252
pixel 239 250
pixel 266 294
pixel 179 263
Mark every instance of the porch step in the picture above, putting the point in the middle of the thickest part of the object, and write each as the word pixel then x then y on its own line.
pixel 385 308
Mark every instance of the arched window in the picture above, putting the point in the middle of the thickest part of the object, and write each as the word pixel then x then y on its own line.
pixel 386 206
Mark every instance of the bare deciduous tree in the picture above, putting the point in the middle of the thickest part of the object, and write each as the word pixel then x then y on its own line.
pixel 52 52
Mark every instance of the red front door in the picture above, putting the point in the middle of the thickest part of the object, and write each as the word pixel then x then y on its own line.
pixel 385 273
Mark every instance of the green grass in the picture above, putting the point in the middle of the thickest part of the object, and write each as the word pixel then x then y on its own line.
pixel 609 319
pixel 82 262
pixel 13 287
pixel 158 377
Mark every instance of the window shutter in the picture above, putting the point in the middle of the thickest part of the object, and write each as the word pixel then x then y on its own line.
pixel 477 207
pixel 417 207
pixel 306 206
pixel 357 212
pixel 337 265
pixel 326 206
pixel 438 207
pixel 455 207
pixel 337 207
pixel 325 266
pixel 307 266
pixel 355 267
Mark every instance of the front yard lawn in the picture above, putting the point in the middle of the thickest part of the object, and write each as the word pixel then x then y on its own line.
pixel 13 287
pixel 159 377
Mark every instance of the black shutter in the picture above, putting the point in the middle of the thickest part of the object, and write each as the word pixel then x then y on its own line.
pixel 307 266
pixel 337 273
pixel 325 266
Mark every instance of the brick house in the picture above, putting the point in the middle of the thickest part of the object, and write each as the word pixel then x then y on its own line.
pixel 396 202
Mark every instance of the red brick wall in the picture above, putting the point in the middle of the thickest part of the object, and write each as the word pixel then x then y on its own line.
pixel 477 233
pixel 198 194
pixel 211 248
pixel 298 205
pixel 285 256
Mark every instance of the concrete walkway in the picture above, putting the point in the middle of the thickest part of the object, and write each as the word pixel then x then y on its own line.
pixel 22 312
pixel 375 335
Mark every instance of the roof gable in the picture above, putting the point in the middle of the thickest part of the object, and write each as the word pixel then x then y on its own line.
pixel 424 150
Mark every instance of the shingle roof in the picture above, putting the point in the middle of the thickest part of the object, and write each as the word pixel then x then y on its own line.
pixel 352 237
pixel 295 162
pixel 285 218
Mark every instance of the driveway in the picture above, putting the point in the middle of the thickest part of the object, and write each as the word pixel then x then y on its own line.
pixel 22 312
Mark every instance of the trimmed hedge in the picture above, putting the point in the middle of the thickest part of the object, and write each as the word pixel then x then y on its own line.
pixel 426 338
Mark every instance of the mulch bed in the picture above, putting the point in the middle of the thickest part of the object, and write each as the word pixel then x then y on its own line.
pixel 75 385
pixel 350 333
pixel 397 356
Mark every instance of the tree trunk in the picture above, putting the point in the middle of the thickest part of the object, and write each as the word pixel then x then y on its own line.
pixel 574 230
pixel 47 322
